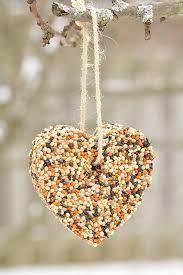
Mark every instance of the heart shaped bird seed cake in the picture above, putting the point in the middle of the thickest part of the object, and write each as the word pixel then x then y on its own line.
pixel 91 200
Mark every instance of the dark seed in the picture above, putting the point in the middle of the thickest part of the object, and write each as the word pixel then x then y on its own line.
pixel 146 143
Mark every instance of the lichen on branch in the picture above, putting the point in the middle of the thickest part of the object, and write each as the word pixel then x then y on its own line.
pixel 119 8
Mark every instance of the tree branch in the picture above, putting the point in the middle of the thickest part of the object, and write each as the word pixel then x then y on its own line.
pixel 120 8
pixel 147 13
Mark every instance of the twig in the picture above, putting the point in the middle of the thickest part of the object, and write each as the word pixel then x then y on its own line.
pixel 49 32
pixel 75 36
pixel 146 13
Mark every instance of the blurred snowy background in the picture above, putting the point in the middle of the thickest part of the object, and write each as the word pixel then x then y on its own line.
pixel 142 85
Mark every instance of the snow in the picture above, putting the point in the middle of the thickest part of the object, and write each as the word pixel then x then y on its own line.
pixel 154 268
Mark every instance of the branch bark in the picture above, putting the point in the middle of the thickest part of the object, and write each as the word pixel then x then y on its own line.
pixel 48 31
pixel 120 8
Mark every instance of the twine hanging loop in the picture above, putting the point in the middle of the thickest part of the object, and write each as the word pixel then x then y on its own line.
pixel 80 4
